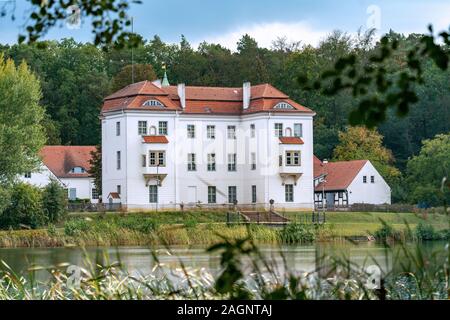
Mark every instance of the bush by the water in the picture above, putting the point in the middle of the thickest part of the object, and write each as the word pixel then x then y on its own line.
pixel 33 207
pixel 387 232
pixel 25 208
pixel 426 232
pixel 75 227
pixel 297 233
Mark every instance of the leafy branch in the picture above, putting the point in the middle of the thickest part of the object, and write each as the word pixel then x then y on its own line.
pixel 375 87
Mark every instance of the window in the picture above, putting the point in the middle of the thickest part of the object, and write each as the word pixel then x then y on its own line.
pixel 232 162
pixel 144 160
pixel 72 193
pixel 231 194
pixel 117 128
pixel 94 193
pixel 27 175
pixel 211 132
pixel 191 162
pixel 288 132
pixel 119 189
pixel 278 129
pixel 372 179
pixel 152 103
pixel 77 170
pixel 289 192
pixel 252 131
pixel 211 194
pixel 283 105
pixel 118 161
pixel 152 130
pixel 142 128
pixel 253 194
pixel 231 132
pixel 292 158
pixel 364 179
pixel 298 130
pixel 162 128
pixel 211 162
pixel 153 193
pixel 191 131
pixel 340 195
pixel 253 161
pixel 157 158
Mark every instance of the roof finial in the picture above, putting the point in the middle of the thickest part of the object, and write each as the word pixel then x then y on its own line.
pixel 165 82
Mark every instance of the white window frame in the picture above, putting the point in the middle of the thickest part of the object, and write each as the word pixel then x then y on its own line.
pixel 118 160
pixel 212 194
pixel 289 192
pixel 190 131
pixel 191 165
pixel 252 130
pixel 231 132
pixel 232 157
pixel 278 127
pixel 152 103
pixel 157 158
pixel 163 128
pixel 232 194
pixel 254 194
pixel 293 158
pixel 211 166
pixel 298 130
pixel 283 105
pixel 153 193
pixel 253 161
pixel 118 128
pixel 142 127
pixel 210 132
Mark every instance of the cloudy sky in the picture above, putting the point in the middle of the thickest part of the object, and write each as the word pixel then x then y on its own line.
pixel 225 21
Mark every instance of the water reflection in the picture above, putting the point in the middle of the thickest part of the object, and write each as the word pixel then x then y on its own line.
pixel 139 260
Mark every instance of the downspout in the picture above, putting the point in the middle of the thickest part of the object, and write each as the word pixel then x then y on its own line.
pixel 268 156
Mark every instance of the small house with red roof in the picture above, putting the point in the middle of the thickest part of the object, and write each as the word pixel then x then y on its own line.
pixel 166 146
pixel 343 183
pixel 68 165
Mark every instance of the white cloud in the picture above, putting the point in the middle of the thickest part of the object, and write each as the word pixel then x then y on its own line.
pixel 265 33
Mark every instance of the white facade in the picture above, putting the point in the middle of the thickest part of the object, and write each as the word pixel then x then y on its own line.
pixel 135 180
pixel 40 178
pixel 372 189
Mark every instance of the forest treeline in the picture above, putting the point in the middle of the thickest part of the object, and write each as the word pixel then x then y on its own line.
pixel 75 77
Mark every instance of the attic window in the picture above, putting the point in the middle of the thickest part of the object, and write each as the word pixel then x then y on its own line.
pixel 283 105
pixel 152 103
pixel 77 170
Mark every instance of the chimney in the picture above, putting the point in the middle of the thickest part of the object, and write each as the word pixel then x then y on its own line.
pixel 246 88
pixel 182 94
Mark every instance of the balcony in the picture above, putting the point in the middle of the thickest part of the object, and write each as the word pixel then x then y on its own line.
pixel 290 172
pixel 154 174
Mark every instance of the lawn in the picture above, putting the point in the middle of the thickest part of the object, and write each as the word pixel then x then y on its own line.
pixel 365 223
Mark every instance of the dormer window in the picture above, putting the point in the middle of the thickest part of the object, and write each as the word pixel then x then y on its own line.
pixel 78 170
pixel 283 105
pixel 152 103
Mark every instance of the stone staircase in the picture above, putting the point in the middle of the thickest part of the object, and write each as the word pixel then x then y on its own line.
pixel 265 217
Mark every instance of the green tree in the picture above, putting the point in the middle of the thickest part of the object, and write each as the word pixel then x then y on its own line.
pixel 54 201
pixel 124 77
pixel 21 132
pixel 360 143
pixel 426 171
pixel 25 207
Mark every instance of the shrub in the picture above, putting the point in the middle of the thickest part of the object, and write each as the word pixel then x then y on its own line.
pixel 386 232
pixel 426 232
pixel 190 223
pixel 76 227
pixel 297 233
pixel 140 224
pixel 54 201
pixel 25 207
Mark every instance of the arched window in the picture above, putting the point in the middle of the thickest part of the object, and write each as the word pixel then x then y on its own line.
pixel 77 170
pixel 288 132
pixel 283 105
pixel 152 103
pixel 152 130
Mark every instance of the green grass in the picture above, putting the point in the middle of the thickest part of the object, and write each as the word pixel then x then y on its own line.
pixel 347 224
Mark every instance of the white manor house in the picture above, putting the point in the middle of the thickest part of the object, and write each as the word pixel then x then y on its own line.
pixel 169 146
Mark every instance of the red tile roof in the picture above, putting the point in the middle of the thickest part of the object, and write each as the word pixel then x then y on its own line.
pixel 155 139
pixel 291 140
pixel 114 195
pixel 339 174
pixel 200 100
pixel 61 159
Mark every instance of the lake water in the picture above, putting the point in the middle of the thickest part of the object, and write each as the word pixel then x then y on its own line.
pixel 139 260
